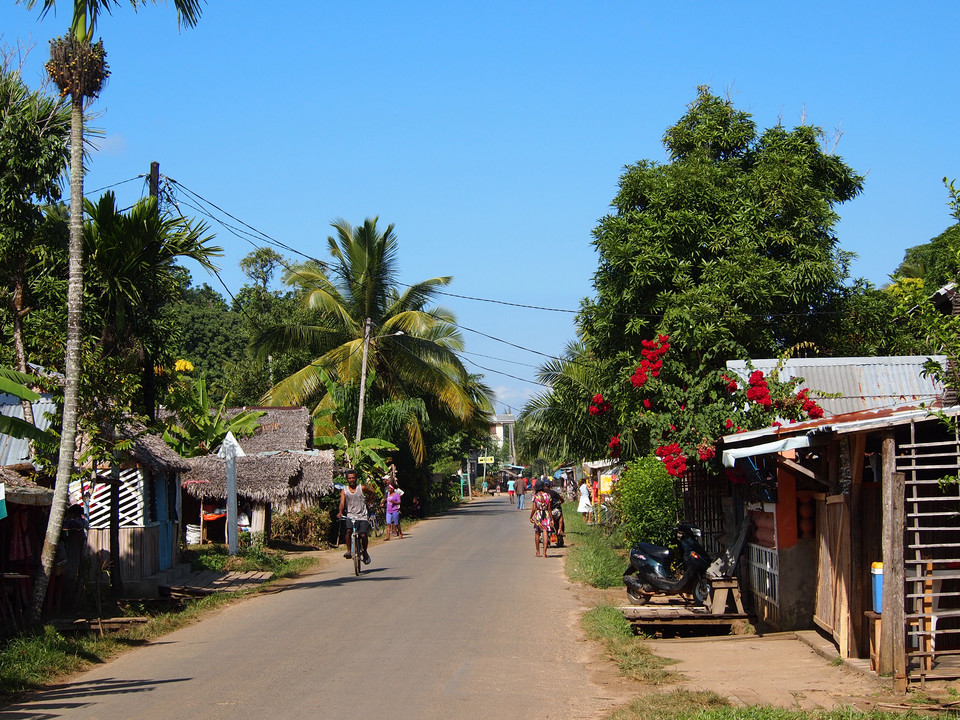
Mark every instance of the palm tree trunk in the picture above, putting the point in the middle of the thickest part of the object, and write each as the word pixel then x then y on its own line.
pixel 68 437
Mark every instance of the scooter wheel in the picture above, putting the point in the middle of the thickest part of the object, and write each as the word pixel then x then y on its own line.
pixel 637 598
pixel 702 590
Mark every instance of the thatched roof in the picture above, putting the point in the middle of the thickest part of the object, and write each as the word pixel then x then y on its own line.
pixel 152 451
pixel 274 478
pixel 281 428
pixel 23 491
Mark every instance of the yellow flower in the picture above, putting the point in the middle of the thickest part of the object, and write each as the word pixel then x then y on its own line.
pixel 183 366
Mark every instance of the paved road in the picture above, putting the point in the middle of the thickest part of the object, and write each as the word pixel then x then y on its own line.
pixel 458 620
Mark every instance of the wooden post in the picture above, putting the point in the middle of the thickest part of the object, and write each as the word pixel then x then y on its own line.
pixel 893 654
pixel 857 446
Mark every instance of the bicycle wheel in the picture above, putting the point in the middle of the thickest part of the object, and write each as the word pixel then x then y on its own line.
pixel 355 542
pixel 379 522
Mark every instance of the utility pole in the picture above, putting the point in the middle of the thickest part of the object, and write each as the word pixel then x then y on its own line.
pixel 154 180
pixel 363 378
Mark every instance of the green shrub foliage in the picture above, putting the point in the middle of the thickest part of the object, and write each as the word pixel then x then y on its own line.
pixel 648 505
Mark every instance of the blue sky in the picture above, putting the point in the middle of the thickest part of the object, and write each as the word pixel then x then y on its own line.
pixel 492 134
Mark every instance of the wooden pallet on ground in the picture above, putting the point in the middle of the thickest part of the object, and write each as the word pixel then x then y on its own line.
pixel 208 582
pixel 664 614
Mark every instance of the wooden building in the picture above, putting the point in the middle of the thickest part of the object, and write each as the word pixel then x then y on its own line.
pixel 149 512
pixel 830 497
pixel 279 471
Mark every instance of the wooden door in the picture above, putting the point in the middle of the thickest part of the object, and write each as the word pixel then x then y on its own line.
pixel 833 574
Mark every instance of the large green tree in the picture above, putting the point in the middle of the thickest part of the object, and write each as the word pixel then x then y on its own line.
pixel 726 251
pixel 412 348
pixel 731 241
pixel 34 133
pixel 78 67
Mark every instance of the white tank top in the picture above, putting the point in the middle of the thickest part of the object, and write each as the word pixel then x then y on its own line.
pixel 356 503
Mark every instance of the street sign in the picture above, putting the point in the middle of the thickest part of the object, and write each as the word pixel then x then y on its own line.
pixel 486 460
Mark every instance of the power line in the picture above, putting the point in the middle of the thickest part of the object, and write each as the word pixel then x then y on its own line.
pixel 498 372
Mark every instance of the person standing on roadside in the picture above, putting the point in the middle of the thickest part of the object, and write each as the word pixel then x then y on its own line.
pixel 585 505
pixel 511 489
pixel 521 491
pixel 393 512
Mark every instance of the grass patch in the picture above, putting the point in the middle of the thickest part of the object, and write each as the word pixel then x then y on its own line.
pixel 594 558
pixel 687 705
pixel 631 654
pixel 31 661
pixel 218 559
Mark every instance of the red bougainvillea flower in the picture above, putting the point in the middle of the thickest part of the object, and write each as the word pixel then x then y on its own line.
pixel 647 404
pixel 600 406
pixel 728 424
pixel 673 459
pixel 731 383
pixel 705 451
pixel 614 446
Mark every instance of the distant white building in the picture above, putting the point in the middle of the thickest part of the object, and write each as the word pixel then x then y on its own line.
pixel 501 432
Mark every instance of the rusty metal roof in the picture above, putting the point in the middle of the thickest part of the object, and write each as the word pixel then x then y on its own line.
pixel 862 383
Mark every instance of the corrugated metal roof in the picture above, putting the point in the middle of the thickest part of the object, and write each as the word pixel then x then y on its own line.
pixel 863 383
pixel 16 450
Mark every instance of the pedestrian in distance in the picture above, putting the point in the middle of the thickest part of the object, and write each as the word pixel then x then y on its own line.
pixel 353 502
pixel 541 517
pixel 584 507
pixel 521 492
pixel 511 489
pixel 394 495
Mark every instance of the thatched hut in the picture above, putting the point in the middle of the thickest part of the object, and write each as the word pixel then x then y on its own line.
pixel 149 509
pixel 278 471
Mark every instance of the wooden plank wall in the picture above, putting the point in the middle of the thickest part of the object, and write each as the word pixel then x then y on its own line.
pixel 139 556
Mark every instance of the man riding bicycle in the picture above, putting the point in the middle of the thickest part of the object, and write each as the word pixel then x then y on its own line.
pixel 353 499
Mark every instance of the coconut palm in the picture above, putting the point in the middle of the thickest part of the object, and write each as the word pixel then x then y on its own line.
pixel 553 423
pixel 412 349
pixel 78 66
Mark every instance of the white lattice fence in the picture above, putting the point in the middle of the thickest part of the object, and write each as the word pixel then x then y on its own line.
pixel 131 498
pixel 763 566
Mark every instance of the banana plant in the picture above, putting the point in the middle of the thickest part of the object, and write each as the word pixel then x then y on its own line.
pixel 15 383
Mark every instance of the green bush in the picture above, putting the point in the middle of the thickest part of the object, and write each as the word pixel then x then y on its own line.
pixel 647 503
pixel 311 526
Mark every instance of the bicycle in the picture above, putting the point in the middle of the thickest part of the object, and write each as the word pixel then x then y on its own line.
pixel 378 521
pixel 354 547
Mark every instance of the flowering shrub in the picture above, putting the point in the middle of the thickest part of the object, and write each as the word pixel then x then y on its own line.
pixel 680 413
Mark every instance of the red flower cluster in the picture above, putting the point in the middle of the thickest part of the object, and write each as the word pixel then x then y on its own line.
pixel 614 446
pixel 810 407
pixel 600 406
pixel 647 404
pixel 653 352
pixel 758 391
pixel 729 424
pixel 706 451
pixel 731 383
pixel 673 457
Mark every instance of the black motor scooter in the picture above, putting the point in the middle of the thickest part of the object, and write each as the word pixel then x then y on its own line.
pixel 651 565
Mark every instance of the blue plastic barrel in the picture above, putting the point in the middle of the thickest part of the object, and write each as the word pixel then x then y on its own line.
pixel 876 575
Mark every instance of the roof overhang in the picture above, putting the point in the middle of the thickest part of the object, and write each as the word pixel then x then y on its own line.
pixel 774 440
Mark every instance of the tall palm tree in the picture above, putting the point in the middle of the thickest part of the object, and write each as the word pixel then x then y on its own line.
pixel 554 422
pixel 412 350
pixel 78 67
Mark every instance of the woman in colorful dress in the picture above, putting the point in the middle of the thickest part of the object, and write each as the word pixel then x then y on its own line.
pixel 541 517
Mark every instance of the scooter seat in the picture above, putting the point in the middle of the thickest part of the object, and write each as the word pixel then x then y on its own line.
pixel 657 552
